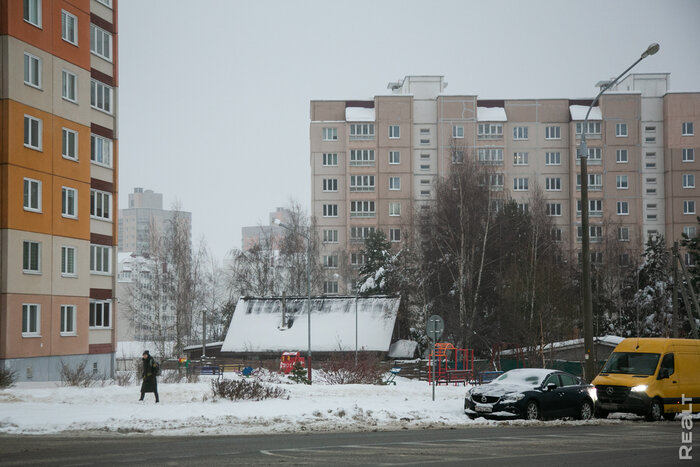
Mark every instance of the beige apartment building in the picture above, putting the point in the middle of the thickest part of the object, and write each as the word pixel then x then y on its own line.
pixel 375 163
pixel 58 195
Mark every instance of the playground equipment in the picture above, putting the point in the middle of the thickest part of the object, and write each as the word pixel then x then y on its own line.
pixel 451 365
pixel 289 359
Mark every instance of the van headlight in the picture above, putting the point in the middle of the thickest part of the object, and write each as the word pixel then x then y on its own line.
pixel 512 397
pixel 640 388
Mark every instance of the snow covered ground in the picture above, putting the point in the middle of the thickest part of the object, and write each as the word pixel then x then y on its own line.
pixel 190 409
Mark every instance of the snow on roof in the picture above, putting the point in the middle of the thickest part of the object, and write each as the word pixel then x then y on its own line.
pixel 491 114
pixel 359 114
pixel 256 325
pixel 199 346
pixel 578 112
pixel 403 349
pixel 611 341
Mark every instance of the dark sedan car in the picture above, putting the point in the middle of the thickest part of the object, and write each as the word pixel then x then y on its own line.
pixel 533 394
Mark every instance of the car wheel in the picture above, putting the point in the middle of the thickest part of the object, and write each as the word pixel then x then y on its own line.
pixel 600 413
pixel 585 412
pixel 532 411
pixel 656 411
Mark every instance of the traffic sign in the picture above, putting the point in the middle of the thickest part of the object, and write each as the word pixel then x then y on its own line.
pixel 435 327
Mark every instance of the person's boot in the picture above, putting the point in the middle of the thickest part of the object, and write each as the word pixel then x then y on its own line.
pixel 157 400
pixel 141 397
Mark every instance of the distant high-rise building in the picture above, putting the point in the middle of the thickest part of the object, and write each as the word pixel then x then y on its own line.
pixel 58 196
pixel 375 163
pixel 267 236
pixel 144 214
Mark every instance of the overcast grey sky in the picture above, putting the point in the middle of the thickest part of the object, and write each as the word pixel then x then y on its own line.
pixel 214 95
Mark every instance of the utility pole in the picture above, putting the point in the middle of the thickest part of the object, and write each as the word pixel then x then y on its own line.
pixel 674 322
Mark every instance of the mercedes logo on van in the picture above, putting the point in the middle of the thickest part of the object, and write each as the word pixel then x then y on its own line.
pixel 609 390
pixel 484 399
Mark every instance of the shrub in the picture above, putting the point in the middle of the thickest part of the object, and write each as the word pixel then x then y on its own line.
pixel 7 378
pixel 299 374
pixel 124 378
pixel 175 376
pixel 342 370
pixel 246 389
pixel 77 376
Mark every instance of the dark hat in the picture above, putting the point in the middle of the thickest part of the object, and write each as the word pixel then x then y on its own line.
pixel 145 352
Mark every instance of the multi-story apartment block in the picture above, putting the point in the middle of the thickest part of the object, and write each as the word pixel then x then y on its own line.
pixel 144 217
pixel 58 196
pixel 375 163
pixel 268 237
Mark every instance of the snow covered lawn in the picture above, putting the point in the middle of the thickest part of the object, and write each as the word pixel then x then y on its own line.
pixel 189 409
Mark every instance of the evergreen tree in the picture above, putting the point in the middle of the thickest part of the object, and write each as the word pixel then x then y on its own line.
pixel 375 273
pixel 654 297
pixel 692 246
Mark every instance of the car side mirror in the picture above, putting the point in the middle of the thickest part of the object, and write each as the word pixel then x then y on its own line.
pixel 663 373
pixel 551 386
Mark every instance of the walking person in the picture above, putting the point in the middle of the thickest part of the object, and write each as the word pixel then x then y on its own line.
pixel 150 383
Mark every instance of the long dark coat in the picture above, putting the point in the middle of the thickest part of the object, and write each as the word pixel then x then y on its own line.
pixel 150 383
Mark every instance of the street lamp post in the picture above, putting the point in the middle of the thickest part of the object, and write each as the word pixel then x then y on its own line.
pixel 308 292
pixel 357 293
pixel 585 238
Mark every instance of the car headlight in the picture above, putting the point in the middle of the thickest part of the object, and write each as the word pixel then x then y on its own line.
pixel 593 393
pixel 640 388
pixel 513 397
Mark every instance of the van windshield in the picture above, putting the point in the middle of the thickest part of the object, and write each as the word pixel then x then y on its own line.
pixel 632 363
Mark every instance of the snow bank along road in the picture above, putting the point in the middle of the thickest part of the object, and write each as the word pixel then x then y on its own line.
pixel 189 409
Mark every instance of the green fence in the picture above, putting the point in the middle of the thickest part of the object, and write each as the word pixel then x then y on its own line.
pixel 573 367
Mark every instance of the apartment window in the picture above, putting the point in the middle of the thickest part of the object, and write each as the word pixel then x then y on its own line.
pixel 553 184
pixel 69 144
pixel 360 234
pixel 457 157
pixel 330 210
pixel 624 259
pixel 395 235
pixel 330 184
pixel 69 199
pixel 651 155
pixel 552 158
pixel 495 181
pixel 361 131
pixel 394 132
pixel 688 259
pixel 689 231
pixel 100 314
pixel 100 259
pixel 330 134
pixel 362 183
pixel 650 139
pixel 330 236
pixel 31 257
pixel 489 131
pixel 651 207
pixel 68 261
pixel 330 159
pixel 362 209
pixel 425 166
pixel 621 130
pixel 31 318
pixel 491 155
pixel 555 234
pixel 330 287
pixel 687 129
pixel 100 204
pixel 69 88
pixel 623 208
pixel 68 320
pixel 621 156
pixel 107 3
pixel 520 132
pixel 595 207
pixel 457 131
pixel 32 132
pixel 554 209
pixel 32 195
pixel 425 131
pixel 688 207
pixel 595 182
pixel 32 70
pixel 523 207
pixel 595 154
pixel 688 155
pixel 520 184
pixel 623 234
pixel 32 12
pixel 595 232
pixel 622 182
pixel 69 27
pixel 688 181
pixel 362 157
pixel 357 259
pixel 425 141
pixel 330 261
pixel 101 150
pixel 593 128
pixel 650 129
pixel 100 42
pixel 394 183
pixel 520 158
pixel 552 132
pixel 101 96
pixel 394 157
pixel 650 165
pixel 394 209
pixel 425 192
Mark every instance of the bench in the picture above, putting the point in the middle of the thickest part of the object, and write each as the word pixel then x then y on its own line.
pixel 392 376
pixel 457 376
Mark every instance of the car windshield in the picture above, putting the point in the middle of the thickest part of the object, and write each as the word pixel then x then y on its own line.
pixel 520 377
pixel 632 363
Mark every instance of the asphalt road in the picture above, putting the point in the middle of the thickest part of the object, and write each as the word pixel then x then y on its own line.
pixel 628 443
